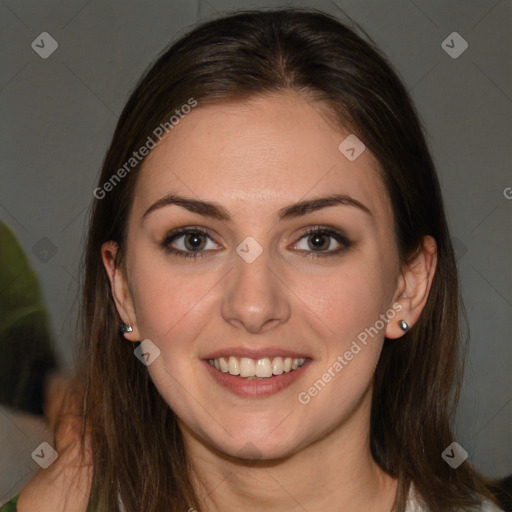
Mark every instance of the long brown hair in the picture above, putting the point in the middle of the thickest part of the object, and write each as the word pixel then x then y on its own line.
pixel 136 442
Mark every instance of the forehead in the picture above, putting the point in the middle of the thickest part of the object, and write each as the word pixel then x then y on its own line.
pixel 260 154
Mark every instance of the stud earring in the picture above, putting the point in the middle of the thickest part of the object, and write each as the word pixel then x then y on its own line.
pixel 125 328
pixel 403 325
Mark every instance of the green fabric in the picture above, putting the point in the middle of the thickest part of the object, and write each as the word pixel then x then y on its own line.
pixel 10 506
pixel 25 342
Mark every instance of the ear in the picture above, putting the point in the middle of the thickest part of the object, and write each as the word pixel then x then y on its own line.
pixel 413 287
pixel 120 290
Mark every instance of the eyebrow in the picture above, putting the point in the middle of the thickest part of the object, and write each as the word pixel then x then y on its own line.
pixel 217 211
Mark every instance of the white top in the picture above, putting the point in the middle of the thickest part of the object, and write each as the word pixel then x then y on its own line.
pixel 412 504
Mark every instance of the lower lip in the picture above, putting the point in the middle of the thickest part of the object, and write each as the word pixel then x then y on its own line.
pixel 256 388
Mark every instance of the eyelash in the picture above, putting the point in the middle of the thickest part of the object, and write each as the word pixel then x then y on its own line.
pixel 316 230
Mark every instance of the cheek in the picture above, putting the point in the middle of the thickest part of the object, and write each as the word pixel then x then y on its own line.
pixel 352 344
pixel 173 311
pixel 173 308
pixel 353 305
pixel 348 301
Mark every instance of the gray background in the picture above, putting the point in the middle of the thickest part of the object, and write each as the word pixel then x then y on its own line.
pixel 58 115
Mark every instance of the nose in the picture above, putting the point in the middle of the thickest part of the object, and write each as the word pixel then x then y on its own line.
pixel 256 299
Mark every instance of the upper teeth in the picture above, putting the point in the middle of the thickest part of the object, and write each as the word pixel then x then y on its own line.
pixel 265 367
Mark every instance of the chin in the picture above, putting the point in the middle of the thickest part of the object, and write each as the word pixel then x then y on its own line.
pixel 253 447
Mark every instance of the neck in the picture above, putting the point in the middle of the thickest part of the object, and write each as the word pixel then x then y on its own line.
pixel 335 472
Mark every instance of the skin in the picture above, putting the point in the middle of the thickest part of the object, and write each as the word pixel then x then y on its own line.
pixel 255 158
pixel 65 485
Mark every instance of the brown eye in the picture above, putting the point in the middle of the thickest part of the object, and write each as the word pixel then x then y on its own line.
pixel 320 240
pixel 194 241
pixel 187 242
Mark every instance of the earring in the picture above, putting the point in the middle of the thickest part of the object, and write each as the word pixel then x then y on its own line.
pixel 125 328
pixel 403 325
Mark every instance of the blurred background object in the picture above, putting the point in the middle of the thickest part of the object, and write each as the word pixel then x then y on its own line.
pixel 32 387
pixel 28 354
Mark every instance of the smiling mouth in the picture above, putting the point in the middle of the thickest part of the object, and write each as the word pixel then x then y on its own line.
pixel 251 369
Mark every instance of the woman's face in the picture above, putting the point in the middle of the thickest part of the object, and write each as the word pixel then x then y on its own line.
pixel 261 289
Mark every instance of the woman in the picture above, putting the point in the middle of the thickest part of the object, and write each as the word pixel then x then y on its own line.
pixel 269 233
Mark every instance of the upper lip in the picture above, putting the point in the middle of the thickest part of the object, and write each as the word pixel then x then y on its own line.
pixel 256 353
